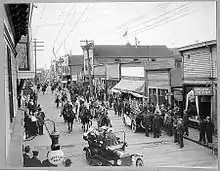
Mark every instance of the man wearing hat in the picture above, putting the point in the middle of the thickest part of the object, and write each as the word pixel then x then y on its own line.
pixel 180 132
pixel 34 161
pixel 26 157
pixel 209 129
pixel 67 163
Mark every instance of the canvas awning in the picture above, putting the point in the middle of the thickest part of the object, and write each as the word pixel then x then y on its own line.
pixel 130 85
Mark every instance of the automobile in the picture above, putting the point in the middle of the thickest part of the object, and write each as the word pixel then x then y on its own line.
pixel 136 120
pixel 99 154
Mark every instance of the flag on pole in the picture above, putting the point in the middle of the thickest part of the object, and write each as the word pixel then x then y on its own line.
pixel 125 34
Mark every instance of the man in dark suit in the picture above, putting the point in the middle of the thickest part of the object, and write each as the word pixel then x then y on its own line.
pixel 26 157
pixel 34 161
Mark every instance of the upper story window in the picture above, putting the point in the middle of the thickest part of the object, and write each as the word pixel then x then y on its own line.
pixel 135 59
pixel 153 60
pixel 178 64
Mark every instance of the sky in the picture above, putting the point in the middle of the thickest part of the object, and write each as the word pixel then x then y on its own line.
pixel 62 26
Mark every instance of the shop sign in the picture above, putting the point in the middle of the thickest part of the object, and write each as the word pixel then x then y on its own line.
pixel 56 157
pixel 203 91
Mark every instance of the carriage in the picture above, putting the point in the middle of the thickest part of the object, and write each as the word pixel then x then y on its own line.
pixel 100 153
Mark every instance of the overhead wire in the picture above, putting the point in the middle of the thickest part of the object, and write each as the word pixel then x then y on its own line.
pixel 162 21
pixel 73 28
pixel 156 9
pixel 162 15
pixel 70 12
pixel 153 24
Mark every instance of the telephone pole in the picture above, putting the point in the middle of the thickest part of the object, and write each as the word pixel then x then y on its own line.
pixel 36 44
pixel 86 47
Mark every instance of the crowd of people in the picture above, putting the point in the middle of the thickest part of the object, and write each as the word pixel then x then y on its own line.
pixel 32 160
pixel 160 118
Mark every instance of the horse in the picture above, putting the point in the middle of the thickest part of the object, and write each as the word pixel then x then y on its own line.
pixel 86 119
pixel 70 116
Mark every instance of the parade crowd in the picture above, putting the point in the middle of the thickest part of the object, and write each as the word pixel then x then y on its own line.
pixel 77 105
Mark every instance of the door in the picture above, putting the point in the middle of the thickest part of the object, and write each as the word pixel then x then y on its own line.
pixel 10 86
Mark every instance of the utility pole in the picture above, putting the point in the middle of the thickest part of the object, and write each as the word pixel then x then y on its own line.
pixel 35 55
pixel 87 47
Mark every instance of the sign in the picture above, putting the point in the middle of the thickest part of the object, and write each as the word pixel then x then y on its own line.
pixel 56 157
pixel 178 95
pixel 203 91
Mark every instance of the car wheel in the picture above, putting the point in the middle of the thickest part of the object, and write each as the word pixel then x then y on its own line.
pixel 88 157
pixel 123 120
pixel 142 125
pixel 134 126
pixel 139 163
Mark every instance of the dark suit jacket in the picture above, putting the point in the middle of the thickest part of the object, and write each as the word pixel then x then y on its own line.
pixel 35 162
pixel 26 160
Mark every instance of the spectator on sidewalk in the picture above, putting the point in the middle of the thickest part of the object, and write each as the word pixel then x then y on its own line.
pixel 26 156
pixel 46 162
pixel 202 131
pixel 180 132
pixel 34 161
pixel 175 121
pixel 67 163
pixel 186 122
pixel 209 129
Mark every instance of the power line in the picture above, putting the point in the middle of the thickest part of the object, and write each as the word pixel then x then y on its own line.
pixel 164 14
pixel 167 21
pixel 72 29
pixel 156 9
pixel 64 24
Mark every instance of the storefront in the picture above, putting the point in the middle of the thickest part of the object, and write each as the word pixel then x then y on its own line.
pixel 198 103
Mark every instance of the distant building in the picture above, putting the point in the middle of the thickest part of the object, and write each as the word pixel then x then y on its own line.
pixel 75 63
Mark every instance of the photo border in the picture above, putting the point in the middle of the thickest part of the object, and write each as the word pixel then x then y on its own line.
pixel 2 71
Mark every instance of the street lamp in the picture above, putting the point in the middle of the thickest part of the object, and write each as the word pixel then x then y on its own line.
pixel 56 155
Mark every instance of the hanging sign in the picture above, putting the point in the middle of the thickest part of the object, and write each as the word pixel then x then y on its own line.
pixel 203 91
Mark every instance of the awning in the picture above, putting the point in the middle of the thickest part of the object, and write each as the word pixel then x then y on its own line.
pixel 115 91
pixel 137 95
pixel 130 85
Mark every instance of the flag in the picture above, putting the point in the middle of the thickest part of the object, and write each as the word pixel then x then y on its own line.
pixel 126 33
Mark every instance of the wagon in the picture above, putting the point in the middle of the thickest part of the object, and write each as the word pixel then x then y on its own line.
pixel 98 154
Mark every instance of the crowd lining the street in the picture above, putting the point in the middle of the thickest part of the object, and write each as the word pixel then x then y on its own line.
pixel 83 108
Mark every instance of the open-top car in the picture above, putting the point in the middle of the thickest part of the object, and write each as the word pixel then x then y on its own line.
pixel 107 149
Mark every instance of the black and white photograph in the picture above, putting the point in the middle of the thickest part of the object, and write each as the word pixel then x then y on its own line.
pixel 123 84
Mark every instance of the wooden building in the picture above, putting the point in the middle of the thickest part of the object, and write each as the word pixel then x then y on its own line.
pixel 200 80
pixel 19 66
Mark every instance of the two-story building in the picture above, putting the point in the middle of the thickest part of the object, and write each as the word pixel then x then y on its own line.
pixel 19 66
pixel 199 78
pixel 76 66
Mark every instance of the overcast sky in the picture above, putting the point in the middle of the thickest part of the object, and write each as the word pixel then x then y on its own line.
pixel 62 26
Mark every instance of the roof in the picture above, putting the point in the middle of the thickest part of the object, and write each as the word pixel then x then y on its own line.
pixel 131 51
pixel 197 45
pixel 75 60
pixel 18 15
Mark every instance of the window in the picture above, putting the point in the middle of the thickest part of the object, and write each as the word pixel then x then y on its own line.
pixel 178 65
pixel 135 59
pixel 153 60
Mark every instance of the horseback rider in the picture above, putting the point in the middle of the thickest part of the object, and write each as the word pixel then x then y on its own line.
pixel 103 119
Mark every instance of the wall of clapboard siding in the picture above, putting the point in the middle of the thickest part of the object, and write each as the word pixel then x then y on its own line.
pixel 198 65
pixel 159 79
pixel 214 65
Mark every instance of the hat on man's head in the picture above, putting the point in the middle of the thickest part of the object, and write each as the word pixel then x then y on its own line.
pixel 27 149
pixel 35 153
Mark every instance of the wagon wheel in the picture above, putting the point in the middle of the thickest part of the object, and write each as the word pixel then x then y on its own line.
pixel 134 126
pixel 88 157
pixel 139 163
pixel 142 124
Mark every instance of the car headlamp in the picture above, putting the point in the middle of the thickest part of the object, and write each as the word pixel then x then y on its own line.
pixel 119 162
